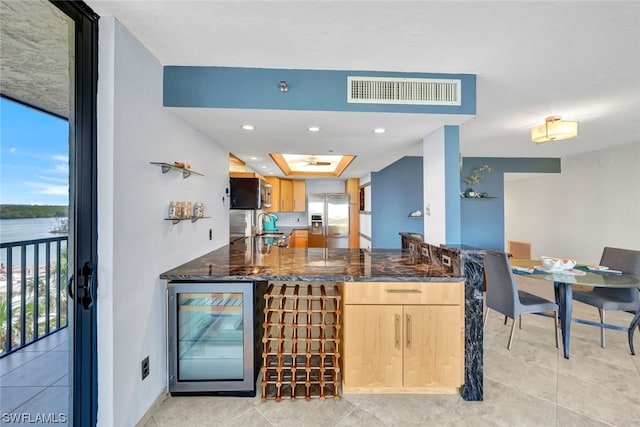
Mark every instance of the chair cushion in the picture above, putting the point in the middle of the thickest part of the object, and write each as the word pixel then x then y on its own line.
pixel 605 302
pixel 531 303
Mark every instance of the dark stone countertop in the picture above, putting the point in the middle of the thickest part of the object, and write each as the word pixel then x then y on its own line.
pixel 454 247
pixel 250 259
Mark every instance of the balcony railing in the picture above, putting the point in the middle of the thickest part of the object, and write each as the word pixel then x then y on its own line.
pixel 33 291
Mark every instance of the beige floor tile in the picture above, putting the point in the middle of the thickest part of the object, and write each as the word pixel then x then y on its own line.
pixel 410 409
pixel 636 359
pixel 514 371
pixel 151 423
pixel 601 391
pixel 568 418
pixel 358 417
pixel 201 410
pixel 504 406
pixel 300 413
pixel 251 418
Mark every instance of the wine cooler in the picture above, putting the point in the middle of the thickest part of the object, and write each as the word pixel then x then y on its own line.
pixel 212 335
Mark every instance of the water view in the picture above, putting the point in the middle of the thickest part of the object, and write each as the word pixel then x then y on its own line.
pixel 16 230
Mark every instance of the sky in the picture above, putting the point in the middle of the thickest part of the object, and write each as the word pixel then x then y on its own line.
pixel 34 156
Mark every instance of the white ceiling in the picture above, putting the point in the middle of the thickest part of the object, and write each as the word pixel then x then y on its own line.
pixel 579 60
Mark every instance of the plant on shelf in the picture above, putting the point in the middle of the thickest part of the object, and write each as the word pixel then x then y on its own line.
pixel 475 178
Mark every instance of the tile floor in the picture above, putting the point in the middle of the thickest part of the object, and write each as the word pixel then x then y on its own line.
pixel 531 385
pixel 35 380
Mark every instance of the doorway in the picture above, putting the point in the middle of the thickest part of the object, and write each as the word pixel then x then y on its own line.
pixel 48 84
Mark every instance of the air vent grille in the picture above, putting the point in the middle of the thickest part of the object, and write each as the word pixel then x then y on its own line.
pixel 388 90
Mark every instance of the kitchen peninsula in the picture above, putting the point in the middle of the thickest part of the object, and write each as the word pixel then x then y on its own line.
pixel 424 302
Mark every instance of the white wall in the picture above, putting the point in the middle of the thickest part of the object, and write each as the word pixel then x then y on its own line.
pixel 435 220
pixel 594 202
pixel 135 243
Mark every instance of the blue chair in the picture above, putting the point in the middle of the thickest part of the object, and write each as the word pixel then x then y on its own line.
pixel 615 299
pixel 504 297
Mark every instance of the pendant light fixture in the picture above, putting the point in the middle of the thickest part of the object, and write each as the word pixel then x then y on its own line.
pixel 554 129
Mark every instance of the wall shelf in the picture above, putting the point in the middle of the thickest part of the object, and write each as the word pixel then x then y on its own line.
pixel 413 216
pixel 166 167
pixel 192 219
pixel 478 198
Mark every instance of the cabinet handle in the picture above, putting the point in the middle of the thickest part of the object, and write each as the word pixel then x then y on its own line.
pixel 409 331
pixel 403 291
pixel 398 331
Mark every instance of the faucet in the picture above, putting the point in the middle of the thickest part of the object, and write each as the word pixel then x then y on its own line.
pixel 259 224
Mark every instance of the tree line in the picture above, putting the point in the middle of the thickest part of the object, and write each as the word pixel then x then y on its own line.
pixel 33 211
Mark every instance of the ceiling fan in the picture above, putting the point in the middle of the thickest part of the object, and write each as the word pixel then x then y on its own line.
pixel 312 161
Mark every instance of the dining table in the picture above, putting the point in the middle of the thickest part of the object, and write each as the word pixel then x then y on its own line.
pixel 563 282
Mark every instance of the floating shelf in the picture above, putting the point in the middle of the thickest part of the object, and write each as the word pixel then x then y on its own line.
pixel 192 219
pixel 478 198
pixel 413 216
pixel 166 167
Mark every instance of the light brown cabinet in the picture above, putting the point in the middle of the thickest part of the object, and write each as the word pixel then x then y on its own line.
pixel 299 195
pixel 275 193
pixel 287 195
pixel 299 239
pixel 352 188
pixel 403 337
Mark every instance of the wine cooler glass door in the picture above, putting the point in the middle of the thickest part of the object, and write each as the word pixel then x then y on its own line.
pixel 210 336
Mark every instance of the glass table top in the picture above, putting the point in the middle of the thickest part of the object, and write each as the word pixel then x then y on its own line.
pixel 580 276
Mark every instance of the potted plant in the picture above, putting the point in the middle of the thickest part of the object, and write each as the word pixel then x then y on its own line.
pixel 475 178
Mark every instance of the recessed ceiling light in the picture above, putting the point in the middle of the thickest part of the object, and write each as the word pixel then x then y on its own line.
pixel 253 158
pixel 314 129
pixel 379 130
pixel 247 127
pixel 264 167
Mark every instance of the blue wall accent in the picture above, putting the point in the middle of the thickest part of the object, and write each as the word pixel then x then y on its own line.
pixel 451 175
pixel 482 220
pixel 396 191
pixel 318 90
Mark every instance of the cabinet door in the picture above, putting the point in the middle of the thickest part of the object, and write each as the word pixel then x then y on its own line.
pixel 433 346
pixel 275 194
pixel 352 187
pixel 299 239
pixel 372 346
pixel 299 195
pixel 286 195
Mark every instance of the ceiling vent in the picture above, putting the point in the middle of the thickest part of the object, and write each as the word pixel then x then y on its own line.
pixel 388 90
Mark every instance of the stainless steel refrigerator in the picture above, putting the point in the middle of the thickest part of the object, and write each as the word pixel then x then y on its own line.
pixel 329 220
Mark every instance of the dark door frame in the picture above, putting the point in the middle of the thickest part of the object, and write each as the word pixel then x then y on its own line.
pixel 83 202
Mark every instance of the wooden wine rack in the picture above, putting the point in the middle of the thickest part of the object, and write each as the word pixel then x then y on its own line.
pixel 301 356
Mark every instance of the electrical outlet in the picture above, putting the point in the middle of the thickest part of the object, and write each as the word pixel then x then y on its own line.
pixel 145 367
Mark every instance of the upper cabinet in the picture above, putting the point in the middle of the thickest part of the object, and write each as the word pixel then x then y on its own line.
pixel 299 195
pixel 287 195
pixel 352 188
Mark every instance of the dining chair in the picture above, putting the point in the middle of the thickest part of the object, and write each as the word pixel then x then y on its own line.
pixel 504 297
pixel 627 299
